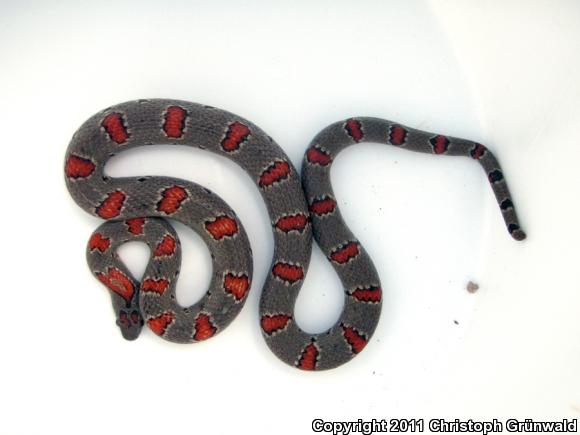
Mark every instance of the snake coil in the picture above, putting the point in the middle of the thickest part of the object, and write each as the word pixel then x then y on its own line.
pixel 135 209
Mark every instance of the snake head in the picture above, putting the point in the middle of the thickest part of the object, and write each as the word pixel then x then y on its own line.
pixel 130 322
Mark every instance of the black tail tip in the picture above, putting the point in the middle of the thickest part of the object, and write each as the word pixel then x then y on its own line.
pixel 518 234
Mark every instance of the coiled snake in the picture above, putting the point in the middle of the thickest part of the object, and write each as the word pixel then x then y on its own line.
pixel 135 209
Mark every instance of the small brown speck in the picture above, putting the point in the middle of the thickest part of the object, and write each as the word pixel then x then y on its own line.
pixel 456 322
pixel 472 287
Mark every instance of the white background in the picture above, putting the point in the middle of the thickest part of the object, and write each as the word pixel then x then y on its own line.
pixel 502 73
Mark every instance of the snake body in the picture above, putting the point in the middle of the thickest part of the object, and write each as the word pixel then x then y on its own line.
pixel 136 208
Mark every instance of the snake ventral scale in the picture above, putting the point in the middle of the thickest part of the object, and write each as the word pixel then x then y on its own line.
pixel 299 208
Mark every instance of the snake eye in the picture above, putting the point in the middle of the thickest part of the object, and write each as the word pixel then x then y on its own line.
pixel 136 318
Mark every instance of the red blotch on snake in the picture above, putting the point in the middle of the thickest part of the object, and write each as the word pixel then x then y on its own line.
pixel 308 358
pixel 478 151
pixel 171 199
pixel 174 121
pixel 317 156
pixel 204 329
pixel 440 144
pixel 124 320
pixel 274 323
pixel 111 205
pixel 354 129
pixel 222 226
pixel 78 167
pixel 369 294
pixel 274 173
pixel 237 286
pixel 97 241
pixel 236 134
pixel 295 222
pixel 356 340
pixel 165 247
pixel 114 125
pixel 322 206
pixel 135 225
pixel 151 285
pixel 136 318
pixel 288 272
pixel 160 323
pixel 117 282
pixel 345 253
pixel 397 135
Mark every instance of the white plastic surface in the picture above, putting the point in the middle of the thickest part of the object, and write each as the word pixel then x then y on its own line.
pixel 504 75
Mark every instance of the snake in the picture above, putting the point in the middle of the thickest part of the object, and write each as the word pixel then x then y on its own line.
pixel 300 207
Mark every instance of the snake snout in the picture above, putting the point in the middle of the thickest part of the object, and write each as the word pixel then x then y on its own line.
pixel 130 324
pixel 130 333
